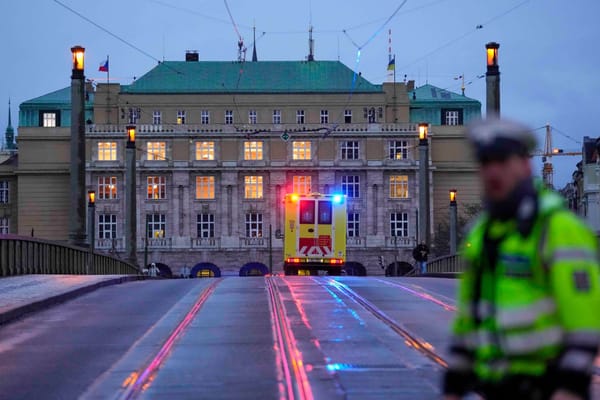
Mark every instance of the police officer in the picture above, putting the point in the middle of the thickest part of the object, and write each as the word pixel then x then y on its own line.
pixel 528 319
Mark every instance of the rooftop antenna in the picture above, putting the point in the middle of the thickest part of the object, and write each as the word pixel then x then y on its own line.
pixel 311 45
pixel 241 47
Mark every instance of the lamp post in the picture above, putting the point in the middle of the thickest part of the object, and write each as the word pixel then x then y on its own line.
pixel 130 198
pixel 453 221
pixel 492 80
pixel 77 168
pixel 424 231
pixel 91 229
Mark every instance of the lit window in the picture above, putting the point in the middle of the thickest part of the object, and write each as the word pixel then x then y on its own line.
pixel 398 150
pixel 205 117
pixel 156 225
pixel 156 117
pixel 107 226
pixel 253 150
pixel 254 225
pixel 350 150
pixel 157 187
pixel 276 117
pixel 353 225
pixel 351 186
pixel 4 198
pixel 205 187
pixel 399 187
pixel 228 117
pixel 49 120
pixel 4 226
pixel 253 187
pixel 205 151
pixel 180 117
pixel 399 224
pixel 348 116
pixel 301 151
pixel 205 225
pixel 324 116
pixel 300 116
pixel 107 187
pixel 252 117
pixel 301 184
pixel 107 151
pixel 157 151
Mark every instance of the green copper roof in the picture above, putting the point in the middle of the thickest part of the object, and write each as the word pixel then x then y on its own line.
pixel 430 93
pixel 251 77
pixel 61 96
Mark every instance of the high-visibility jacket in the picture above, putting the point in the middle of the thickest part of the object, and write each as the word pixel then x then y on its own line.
pixel 537 307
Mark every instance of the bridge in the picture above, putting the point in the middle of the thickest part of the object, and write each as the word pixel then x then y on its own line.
pixel 268 337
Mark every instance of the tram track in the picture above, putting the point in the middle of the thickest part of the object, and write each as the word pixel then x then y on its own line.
pixel 415 290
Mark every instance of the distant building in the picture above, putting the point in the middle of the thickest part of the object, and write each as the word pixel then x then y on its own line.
pixel 221 143
pixel 590 196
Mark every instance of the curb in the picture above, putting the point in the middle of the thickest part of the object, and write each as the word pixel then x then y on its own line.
pixel 43 304
pixel 448 275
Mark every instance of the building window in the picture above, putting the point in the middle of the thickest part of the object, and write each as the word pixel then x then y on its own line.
pixel 399 187
pixel 300 116
pixel 107 187
pixel 205 117
pixel 254 225
pixel 253 150
pixel 324 116
pixel 107 226
pixel 157 151
pixel 452 117
pixel 399 224
pixel 156 225
pixel 350 150
pixel 181 117
pixel 49 119
pixel 157 187
pixel 398 150
pixel 157 117
pixel 253 187
pixel 351 185
pixel 276 117
pixel 205 151
pixel 371 116
pixel 252 117
pixel 228 117
pixel 134 115
pixel 107 151
pixel 4 192
pixel 353 224
pixel 205 187
pixel 301 151
pixel 4 226
pixel 301 184
pixel 206 225
pixel 348 116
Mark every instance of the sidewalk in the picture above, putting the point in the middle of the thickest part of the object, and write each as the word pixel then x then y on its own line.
pixel 27 293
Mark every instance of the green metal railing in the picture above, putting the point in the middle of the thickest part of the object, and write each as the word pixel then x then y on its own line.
pixel 23 255
pixel 451 264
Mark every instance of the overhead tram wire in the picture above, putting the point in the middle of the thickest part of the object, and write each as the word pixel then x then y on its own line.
pixel 197 13
pixel 114 35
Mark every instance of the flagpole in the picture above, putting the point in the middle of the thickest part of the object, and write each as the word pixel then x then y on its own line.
pixel 108 89
pixel 107 71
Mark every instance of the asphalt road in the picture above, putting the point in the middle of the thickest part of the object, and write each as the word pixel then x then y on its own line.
pixel 235 338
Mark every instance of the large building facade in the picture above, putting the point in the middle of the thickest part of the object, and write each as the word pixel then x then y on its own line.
pixel 218 146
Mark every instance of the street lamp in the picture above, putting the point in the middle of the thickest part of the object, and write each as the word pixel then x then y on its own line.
pixel 130 197
pixel 453 221
pixel 77 234
pixel 424 184
pixel 91 229
pixel 492 80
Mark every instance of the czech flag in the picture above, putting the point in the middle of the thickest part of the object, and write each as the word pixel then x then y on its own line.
pixel 103 66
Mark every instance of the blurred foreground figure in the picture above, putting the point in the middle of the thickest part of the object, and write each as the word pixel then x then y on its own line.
pixel 528 320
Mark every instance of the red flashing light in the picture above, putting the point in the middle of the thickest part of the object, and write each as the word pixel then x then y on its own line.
pixel 293 260
pixel 336 261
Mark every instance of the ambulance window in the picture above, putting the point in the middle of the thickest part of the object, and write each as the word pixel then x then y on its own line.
pixel 307 212
pixel 325 212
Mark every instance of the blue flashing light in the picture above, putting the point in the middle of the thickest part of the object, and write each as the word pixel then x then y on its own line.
pixel 338 198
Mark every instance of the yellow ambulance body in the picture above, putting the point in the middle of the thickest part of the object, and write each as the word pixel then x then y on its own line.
pixel 315 233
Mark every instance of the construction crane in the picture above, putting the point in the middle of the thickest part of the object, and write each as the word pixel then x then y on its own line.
pixel 241 47
pixel 547 153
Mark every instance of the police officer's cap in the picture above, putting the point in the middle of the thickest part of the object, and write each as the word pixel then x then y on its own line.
pixel 497 139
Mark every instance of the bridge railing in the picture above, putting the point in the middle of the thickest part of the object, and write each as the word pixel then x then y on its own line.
pixel 21 255
pixel 451 264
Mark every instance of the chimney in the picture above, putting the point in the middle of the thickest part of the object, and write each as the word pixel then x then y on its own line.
pixel 191 55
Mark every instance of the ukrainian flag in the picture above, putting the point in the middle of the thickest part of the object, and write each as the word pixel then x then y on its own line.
pixel 392 64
